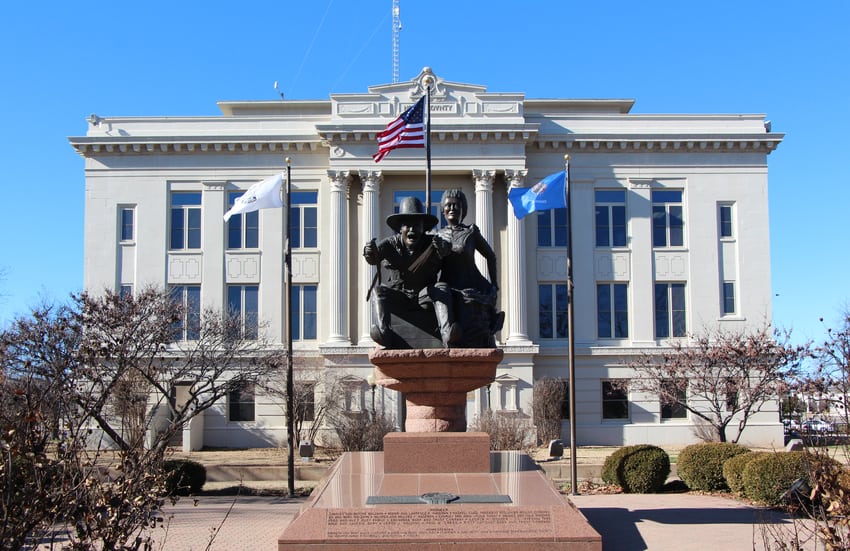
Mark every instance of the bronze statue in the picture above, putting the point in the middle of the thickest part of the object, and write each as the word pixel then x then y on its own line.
pixel 474 297
pixel 432 283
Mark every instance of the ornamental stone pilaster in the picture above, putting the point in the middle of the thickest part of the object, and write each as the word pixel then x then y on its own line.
pixel 516 272
pixel 336 285
pixel 369 228
pixel 484 211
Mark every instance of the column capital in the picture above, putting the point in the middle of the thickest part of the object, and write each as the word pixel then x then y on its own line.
pixel 483 179
pixel 371 179
pixel 515 178
pixel 215 185
pixel 339 180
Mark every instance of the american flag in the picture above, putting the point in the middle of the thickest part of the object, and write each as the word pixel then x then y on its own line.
pixel 408 130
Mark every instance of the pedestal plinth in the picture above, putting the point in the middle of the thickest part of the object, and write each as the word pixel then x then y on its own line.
pixel 435 382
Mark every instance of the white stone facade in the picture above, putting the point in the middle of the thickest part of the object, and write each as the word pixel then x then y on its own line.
pixel 483 143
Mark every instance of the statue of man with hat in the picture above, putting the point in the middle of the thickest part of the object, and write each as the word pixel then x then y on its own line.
pixel 411 260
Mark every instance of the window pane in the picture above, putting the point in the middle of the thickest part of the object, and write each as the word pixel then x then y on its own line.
pixel 295 228
pixel 603 310
pixel 183 198
pixel 310 197
pixel 251 314
pixel 621 311
pixel 610 196
pixel 544 229
pixel 659 226
pixel 677 292
pixel 177 225
pixel 126 224
pixel 563 319
pixel 677 235
pixel 560 227
pixel 234 300
pixel 193 239
pixel 728 298
pixel 545 316
pixel 252 230
pixel 193 312
pixel 565 400
pixel 618 226
pixel 296 312
pixel 234 232
pixel 725 221
pixel 310 312
pixel 602 226
pixel 310 227
pixel 662 328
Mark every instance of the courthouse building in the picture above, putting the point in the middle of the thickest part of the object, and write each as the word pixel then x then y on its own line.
pixel 670 237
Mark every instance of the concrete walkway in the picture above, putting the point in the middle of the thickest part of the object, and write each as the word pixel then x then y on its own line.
pixel 627 522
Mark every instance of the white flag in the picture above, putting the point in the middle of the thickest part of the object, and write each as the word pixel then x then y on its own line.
pixel 262 195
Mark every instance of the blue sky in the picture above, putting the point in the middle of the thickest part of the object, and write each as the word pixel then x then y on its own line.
pixel 62 61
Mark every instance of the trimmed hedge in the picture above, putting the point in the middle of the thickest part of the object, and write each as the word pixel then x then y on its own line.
pixel 700 466
pixel 733 469
pixel 637 469
pixel 183 477
pixel 768 477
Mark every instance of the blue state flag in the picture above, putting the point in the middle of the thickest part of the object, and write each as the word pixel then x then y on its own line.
pixel 548 193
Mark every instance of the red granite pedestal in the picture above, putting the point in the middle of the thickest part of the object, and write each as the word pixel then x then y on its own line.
pixel 435 382
pixel 434 489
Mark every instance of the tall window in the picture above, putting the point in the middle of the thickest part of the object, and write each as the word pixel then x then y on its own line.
pixel 615 400
pixel 304 312
pixel 612 310
pixel 727 230
pixel 670 310
pixel 673 395
pixel 188 297
pixel 241 403
pixel 728 298
pixel 436 197
pixel 127 223
pixel 243 230
pixel 610 218
pixel 553 310
pixel 126 291
pixel 668 226
pixel 565 399
pixel 303 219
pixel 243 303
pixel 185 220
pixel 552 228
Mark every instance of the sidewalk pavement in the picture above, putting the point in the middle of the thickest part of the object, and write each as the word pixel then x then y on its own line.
pixel 627 522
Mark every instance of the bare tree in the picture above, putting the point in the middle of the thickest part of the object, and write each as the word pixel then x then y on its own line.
pixel 316 395
pixel 107 365
pixel 831 375
pixel 549 406
pixel 722 378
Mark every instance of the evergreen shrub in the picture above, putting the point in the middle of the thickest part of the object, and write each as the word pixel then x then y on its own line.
pixel 768 477
pixel 183 477
pixel 733 469
pixel 637 469
pixel 700 466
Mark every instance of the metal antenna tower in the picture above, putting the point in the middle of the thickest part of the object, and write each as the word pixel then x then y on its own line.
pixel 396 30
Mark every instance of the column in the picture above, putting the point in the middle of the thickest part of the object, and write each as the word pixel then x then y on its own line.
pixel 369 229
pixel 484 211
pixel 516 284
pixel 336 283
pixel 213 282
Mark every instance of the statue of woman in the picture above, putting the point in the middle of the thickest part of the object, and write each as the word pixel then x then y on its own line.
pixel 474 296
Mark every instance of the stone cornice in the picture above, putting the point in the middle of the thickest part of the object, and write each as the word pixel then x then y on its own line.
pixel 91 146
pixel 661 143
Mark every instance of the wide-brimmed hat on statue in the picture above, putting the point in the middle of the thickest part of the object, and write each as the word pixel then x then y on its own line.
pixel 411 208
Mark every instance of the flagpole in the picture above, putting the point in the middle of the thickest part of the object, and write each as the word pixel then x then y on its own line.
pixel 290 410
pixel 428 80
pixel 571 361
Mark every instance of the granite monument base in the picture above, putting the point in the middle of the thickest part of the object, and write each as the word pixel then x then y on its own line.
pixel 398 500
pixel 435 382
